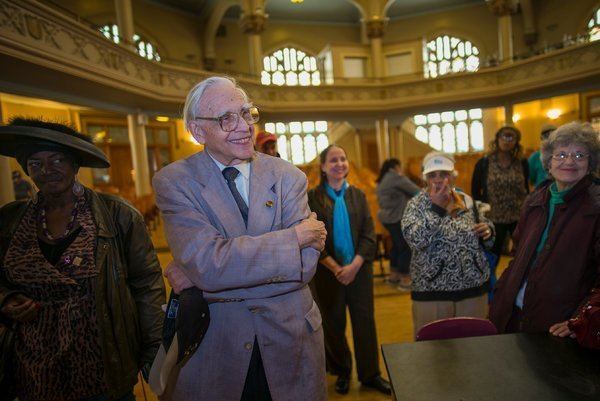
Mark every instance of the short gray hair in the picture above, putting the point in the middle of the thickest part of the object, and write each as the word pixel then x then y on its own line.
pixel 573 133
pixel 194 97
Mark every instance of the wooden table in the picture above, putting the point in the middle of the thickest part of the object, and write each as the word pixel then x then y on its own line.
pixel 510 367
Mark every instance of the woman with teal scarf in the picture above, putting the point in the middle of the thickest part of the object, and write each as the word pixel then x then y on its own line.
pixel 344 278
pixel 556 260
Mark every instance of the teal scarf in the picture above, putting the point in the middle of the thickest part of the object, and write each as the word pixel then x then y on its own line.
pixel 342 233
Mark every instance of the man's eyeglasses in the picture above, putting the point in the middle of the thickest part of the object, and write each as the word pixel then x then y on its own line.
pixel 229 121
pixel 576 156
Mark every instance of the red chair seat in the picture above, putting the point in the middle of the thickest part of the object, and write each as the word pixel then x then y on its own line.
pixel 456 327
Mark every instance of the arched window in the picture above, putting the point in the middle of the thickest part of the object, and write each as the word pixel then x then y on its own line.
pixel 447 54
pixel 594 26
pixel 299 142
pixel 289 66
pixel 143 47
pixel 451 131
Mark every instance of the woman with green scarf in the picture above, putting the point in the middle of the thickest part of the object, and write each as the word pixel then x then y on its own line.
pixel 344 277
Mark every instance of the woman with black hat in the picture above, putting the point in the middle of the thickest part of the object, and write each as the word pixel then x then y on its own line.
pixel 80 283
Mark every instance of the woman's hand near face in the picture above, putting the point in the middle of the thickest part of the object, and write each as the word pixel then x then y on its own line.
pixel 20 308
pixel 440 193
pixel 483 231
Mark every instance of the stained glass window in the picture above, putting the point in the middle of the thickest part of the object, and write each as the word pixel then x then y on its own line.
pixel 447 54
pixel 451 131
pixel 289 66
pixel 300 142
pixel 143 47
pixel 594 26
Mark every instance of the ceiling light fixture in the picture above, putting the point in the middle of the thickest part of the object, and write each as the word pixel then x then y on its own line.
pixel 553 114
pixel 516 117
pixel 297 1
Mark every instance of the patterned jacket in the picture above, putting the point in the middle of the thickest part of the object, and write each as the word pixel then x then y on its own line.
pixel 448 262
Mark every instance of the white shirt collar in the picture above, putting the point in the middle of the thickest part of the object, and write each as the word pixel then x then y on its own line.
pixel 243 167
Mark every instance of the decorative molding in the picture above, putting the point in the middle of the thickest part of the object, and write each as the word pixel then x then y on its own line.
pixel 376 27
pixel 501 8
pixel 253 24
pixel 34 35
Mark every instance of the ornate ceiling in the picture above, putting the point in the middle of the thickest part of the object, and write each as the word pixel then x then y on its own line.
pixel 323 11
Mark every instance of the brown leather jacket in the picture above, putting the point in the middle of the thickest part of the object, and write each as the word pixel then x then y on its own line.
pixel 131 283
pixel 560 278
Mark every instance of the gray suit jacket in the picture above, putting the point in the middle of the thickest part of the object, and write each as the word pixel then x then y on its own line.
pixel 255 278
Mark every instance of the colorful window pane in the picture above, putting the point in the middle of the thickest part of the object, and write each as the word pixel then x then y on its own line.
pixel 300 142
pixel 447 54
pixel 451 131
pixel 143 47
pixel 289 66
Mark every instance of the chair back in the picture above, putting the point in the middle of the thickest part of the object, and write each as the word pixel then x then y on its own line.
pixel 456 327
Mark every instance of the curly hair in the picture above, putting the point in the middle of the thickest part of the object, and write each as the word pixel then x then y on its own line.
pixel 517 152
pixel 569 134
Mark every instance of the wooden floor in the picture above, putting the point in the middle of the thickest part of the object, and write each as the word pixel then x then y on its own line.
pixel 393 317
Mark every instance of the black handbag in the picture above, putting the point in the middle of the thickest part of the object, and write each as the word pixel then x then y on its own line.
pixel 7 367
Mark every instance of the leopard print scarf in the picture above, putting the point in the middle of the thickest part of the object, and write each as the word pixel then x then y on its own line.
pixel 58 354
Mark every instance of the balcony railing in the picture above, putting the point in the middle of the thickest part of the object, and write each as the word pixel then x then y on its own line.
pixel 33 34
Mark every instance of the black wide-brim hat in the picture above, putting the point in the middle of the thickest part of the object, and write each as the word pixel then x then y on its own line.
pixel 14 139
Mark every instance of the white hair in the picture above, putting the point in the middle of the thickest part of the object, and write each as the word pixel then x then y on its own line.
pixel 194 97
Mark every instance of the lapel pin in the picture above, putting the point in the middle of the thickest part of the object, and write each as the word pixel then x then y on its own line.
pixel 269 204
pixel 77 261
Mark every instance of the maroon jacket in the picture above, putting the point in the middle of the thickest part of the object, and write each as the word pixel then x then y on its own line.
pixel 561 277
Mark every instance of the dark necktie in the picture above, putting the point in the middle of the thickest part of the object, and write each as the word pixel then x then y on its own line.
pixel 230 173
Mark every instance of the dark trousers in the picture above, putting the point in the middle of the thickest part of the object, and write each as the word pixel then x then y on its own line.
pixel 256 387
pixel 502 231
pixel 333 298
pixel 400 253
pixel 105 397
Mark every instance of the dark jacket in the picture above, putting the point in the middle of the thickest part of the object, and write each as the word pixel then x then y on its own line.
pixel 361 222
pixel 479 184
pixel 560 278
pixel 130 286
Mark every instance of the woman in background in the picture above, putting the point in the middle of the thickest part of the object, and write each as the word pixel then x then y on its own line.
pixel 449 269
pixel 556 259
pixel 344 277
pixel 394 190
pixel 501 179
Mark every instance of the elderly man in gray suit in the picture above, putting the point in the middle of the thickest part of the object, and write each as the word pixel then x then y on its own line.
pixel 239 227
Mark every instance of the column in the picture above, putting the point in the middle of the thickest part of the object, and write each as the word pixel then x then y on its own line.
pixel 7 193
pixel 375 28
pixel 503 9
pixel 382 136
pixel 124 13
pixel 530 32
pixel 252 25
pixel 358 150
pixel 136 124
pixel 508 114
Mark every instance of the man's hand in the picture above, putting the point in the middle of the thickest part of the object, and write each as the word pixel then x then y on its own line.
pixel 311 232
pixel 176 278
pixel 20 308
pixel 561 330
